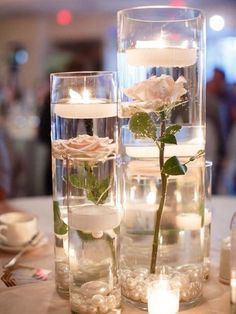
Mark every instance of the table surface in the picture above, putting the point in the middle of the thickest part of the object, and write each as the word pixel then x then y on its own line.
pixel 41 297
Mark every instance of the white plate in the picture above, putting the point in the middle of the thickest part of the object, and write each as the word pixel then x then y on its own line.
pixel 7 248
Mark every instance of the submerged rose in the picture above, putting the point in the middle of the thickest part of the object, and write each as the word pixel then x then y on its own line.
pixel 154 94
pixel 84 147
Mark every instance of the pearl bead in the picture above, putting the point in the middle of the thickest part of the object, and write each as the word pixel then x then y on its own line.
pixel 111 301
pixel 116 293
pixel 126 293
pixel 97 235
pixel 92 309
pixel 139 288
pixel 144 298
pixel 75 299
pixel 134 295
pixel 195 275
pixel 142 272
pixel 82 308
pixel 130 283
pixel 185 295
pixel 118 302
pixel 98 300
pixel 103 308
pixel 140 277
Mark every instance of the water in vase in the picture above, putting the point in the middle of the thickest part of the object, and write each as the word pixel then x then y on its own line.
pixel 73 128
pixel 181 236
pixel 94 228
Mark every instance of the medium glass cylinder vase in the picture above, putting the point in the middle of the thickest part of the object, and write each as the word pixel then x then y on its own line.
pixel 162 139
pixel 83 111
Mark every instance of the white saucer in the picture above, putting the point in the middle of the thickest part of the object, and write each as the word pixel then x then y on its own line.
pixel 14 249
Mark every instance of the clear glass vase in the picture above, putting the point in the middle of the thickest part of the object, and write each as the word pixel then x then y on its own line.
pixel 156 41
pixel 94 231
pixel 83 110
pixel 162 139
pixel 208 218
pixel 182 247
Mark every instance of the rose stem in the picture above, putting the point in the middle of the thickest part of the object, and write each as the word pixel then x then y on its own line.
pixel 162 201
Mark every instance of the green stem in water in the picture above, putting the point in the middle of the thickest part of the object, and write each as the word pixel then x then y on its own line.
pixel 162 201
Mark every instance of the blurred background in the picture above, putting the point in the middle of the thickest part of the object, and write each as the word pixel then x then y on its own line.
pixel 39 37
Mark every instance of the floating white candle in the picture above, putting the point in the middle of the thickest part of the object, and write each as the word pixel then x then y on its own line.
pixel 161 57
pixel 180 150
pixel 189 221
pixel 84 107
pixel 94 218
pixel 94 109
pixel 162 298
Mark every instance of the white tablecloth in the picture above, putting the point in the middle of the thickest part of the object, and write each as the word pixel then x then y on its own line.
pixel 41 297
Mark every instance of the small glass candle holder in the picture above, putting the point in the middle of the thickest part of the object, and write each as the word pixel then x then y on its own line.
pixel 163 298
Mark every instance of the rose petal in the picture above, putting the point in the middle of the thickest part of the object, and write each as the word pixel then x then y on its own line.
pixel 158 90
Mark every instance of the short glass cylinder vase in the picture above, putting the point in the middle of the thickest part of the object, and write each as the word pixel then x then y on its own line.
pixel 94 232
pixel 161 54
pixel 83 110
pixel 181 234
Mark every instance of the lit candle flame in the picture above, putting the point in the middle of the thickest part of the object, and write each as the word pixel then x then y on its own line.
pixel 75 96
pixel 85 95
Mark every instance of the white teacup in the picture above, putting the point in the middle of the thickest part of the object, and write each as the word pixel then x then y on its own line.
pixel 17 228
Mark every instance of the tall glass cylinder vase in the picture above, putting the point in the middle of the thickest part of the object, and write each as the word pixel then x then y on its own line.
pixel 162 139
pixel 83 117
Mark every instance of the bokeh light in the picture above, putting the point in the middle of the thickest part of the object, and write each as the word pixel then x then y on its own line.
pixel 64 17
pixel 217 23
pixel 21 56
pixel 177 3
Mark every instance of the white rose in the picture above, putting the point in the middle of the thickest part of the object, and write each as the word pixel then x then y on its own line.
pixel 83 147
pixel 155 93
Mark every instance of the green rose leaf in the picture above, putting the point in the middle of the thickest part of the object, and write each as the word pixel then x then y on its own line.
pixel 142 126
pixel 168 136
pixel 199 154
pixel 173 129
pixel 77 181
pixel 97 191
pixel 173 167
pixel 168 139
pixel 60 227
